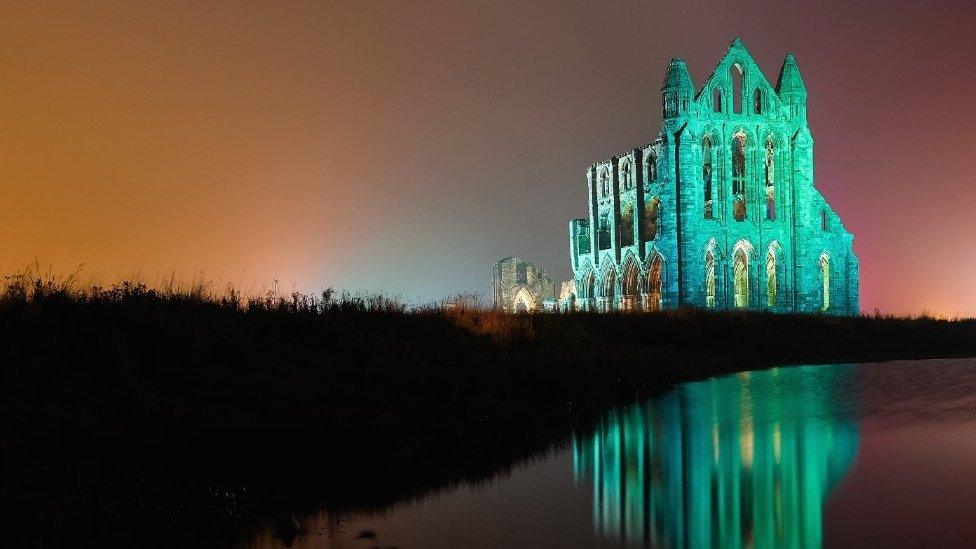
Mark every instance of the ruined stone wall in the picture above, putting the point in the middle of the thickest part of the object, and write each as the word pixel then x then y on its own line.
pixel 720 210
pixel 519 286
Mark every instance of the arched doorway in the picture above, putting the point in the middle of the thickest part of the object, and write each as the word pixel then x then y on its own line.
pixel 586 287
pixel 630 291
pixel 608 291
pixel 654 283
pixel 523 302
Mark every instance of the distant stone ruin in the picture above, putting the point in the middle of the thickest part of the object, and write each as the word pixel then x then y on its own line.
pixel 519 286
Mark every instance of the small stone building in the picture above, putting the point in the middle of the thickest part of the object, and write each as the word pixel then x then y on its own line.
pixel 720 210
pixel 519 286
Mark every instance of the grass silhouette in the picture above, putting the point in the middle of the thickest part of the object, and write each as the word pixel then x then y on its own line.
pixel 179 415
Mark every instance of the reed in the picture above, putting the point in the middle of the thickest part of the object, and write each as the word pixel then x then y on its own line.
pixel 136 413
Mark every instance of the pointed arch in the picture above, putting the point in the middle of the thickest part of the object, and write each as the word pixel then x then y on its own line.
pixel 770 187
pixel 626 228
pixel 650 162
pixel 608 288
pixel 824 282
pixel 716 100
pixel 603 230
pixel 627 175
pixel 654 285
pixel 630 285
pixel 757 106
pixel 706 148
pixel 741 254
pixel 652 218
pixel 773 253
pixel 523 302
pixel 710 273
pixel 736 78
pixel 586 288
pixel 738 156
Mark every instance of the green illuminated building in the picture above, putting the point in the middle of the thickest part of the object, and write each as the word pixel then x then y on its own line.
pixel 720 210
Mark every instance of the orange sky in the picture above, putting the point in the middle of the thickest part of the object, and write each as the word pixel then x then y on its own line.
pixel 405 146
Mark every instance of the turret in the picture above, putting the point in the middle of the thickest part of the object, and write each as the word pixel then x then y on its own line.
pixel 790 88
pixel 677 91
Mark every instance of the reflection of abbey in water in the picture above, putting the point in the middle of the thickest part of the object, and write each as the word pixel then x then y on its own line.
pixel 720 209
pixel 720 463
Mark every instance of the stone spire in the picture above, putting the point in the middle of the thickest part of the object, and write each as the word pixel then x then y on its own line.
pixel 790 88
pixel 790 82
pixel 677 90
pixel 677 77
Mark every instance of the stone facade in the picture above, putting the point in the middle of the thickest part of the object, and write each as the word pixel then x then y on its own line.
pixel 519 286
pixel 720 209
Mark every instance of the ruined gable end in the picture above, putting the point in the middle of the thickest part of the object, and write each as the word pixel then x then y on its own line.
pixel 720 209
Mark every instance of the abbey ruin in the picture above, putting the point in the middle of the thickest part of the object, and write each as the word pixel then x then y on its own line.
pixel 720 210
pixel 519 286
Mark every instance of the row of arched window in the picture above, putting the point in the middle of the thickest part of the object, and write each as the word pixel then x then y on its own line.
pixel 740 277
pixel 651 222
pixel 637 291
pixel 740 198
pixel 628 177
pixel 736 77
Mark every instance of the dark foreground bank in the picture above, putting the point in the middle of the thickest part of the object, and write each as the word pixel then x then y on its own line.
pixel 131 417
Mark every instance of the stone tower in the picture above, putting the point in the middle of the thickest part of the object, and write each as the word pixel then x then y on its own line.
pixel 720 210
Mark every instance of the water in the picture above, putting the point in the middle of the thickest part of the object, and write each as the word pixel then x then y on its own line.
pixel 873 455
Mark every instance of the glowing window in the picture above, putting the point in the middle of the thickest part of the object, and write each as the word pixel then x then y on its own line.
pixel 735 76
pixel 707 176
pixel 770 181
pixel 825 280
pixel 739 177
pixel 710 279
pixel 740 273
pixel 627 224
pixel 652 218
pixel 771 277
pixel 654 284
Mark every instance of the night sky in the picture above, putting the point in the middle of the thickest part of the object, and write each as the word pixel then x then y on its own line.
pixel 405 146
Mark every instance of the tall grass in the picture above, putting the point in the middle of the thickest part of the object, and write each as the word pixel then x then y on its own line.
pixel 175 407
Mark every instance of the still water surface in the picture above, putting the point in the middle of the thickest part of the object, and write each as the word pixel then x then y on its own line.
pixel 871 455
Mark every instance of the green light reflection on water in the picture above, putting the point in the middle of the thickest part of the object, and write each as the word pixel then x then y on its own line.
pixel 740 461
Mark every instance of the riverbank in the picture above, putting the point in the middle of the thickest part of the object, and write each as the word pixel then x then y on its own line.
pixel 177 418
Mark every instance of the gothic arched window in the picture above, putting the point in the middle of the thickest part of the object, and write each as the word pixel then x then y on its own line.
pixel 716 100
pixel 825 280
pixel 651 167
pixel 735 76
pixel 603 232
pixel 710 278
pixel 739 177
pixel 771 281
pixel 626 224
pixel 757 101
pixel 770 180
pixel 652 218
pixel 707 176
pixel 740 277
pixel 626 175
pixel 654 283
